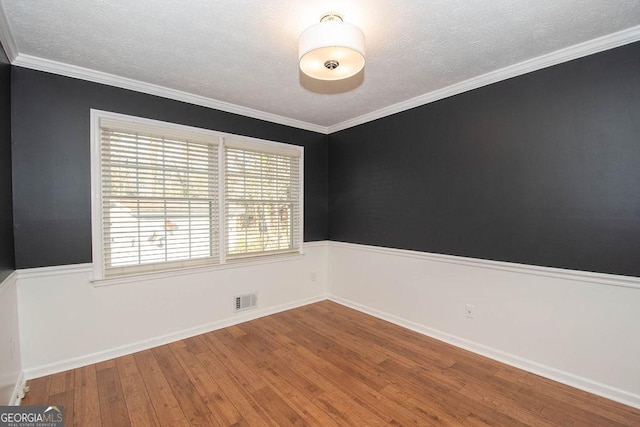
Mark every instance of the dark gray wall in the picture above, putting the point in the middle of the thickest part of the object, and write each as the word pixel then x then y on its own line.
pixel 541 169
pixel 7 264
pixel 51 165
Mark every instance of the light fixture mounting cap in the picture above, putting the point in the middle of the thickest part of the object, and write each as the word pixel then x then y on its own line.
pixel 331 16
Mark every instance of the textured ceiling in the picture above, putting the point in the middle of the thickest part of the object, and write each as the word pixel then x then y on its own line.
pixel 244 52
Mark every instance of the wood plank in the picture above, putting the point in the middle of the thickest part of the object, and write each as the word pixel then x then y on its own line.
pixel 61 394
pixel 196 345
pixel 583 400
pixel 64 381
pixel 140 409
pixel 347 388
pixel 421 406
pixel 241 397
pixel 294 390
pixel 113 407
pixel 111 363
pixel 86 401
pixel 139 406
pixel 339 389
pixel 38 393
pixel 189 400
pixel 127 366
pixel 279 410
pixel 64 400
pixel 249 378
pixel 220 406
pixel 430 398
pixel 566 414
pixel 384 337
pixel 517 402
pixel 260 352
pixel 236 331
pixel 350 362
pixel 414 345
pixel 321 364
pixel 165 403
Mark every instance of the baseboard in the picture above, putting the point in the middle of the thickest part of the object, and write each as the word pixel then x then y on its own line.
pixel 567 378
pixel 101 356
pixel 18 391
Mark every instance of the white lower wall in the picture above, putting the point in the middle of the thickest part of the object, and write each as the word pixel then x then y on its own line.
pixel 10 367
pixel 579 328
pixel 66 321
pixel 575 327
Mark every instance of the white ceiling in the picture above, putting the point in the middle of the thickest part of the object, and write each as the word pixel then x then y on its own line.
pixel 241 55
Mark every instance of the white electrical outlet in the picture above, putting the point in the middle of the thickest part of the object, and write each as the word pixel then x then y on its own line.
pixel 470 311
pixel 314 276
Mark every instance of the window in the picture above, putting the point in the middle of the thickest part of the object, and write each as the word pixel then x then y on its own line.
pixel 167 196
pixel 262 200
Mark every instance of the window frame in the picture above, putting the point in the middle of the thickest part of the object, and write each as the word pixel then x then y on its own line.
pixel 99 277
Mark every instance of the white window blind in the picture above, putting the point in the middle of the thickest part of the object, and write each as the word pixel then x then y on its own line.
pixel 159 197
pixel 167 197
pixel 262 200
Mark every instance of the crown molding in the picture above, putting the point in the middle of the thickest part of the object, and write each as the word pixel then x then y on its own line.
pixel 570 53
pixel 46 65
pixel 580 50
pixel 6 39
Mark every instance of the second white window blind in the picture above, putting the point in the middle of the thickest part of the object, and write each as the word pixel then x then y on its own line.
pixel 262 201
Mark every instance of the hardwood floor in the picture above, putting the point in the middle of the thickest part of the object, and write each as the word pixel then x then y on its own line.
pixel 322 365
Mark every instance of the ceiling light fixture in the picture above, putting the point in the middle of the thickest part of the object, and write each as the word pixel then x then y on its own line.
pixel 331 49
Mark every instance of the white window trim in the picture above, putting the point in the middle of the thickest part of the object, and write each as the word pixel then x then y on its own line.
pixel 98 277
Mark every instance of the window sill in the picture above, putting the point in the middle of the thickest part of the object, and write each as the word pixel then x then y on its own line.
pixel 196 270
